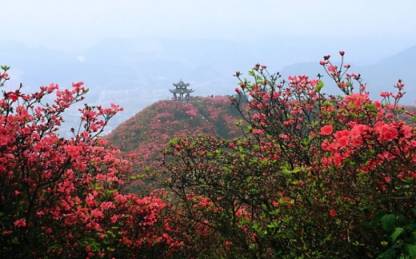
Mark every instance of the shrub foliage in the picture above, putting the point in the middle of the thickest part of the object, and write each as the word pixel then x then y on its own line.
pixel 316 175
pixel 313 176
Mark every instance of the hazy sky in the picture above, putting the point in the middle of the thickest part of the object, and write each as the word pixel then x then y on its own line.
pixel 128 48
pixel 75 24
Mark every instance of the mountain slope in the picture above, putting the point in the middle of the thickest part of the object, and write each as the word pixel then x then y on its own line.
pixel 146 133
pixel 143 137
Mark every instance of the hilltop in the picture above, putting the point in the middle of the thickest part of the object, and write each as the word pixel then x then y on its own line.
pixel 143 137
pixel 163 120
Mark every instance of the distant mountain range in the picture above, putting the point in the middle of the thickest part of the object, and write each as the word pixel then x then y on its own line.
pixel 135 74
pixel 380 76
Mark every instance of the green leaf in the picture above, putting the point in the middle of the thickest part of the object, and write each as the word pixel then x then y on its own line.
pixel 411 250
pixel 273 225
pixel 389 254
pixel 397 232
pixel 173 141
pixel 388 221
pixel 319 86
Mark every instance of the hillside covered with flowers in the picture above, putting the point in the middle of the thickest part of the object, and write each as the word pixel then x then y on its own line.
pixel 163 120
pixel 143 137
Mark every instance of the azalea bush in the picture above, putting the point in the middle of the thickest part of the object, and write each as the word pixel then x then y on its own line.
pixel 316 175
pixel 60 197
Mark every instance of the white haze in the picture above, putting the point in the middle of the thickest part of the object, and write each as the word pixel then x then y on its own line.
pixel 131 51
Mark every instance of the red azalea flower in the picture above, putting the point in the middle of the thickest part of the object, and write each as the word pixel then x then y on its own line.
pixel 332 213
pixel 326 130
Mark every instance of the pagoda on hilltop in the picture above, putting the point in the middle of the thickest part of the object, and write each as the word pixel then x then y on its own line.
pixel 182 92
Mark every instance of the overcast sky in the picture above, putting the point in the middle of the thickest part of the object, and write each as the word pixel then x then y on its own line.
pixel 77 24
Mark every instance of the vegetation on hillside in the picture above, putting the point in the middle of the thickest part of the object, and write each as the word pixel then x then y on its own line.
pixel 143 137
pixel 313 175
pixel 316 176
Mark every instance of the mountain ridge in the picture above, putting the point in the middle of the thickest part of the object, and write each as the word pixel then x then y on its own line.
pixel 163 120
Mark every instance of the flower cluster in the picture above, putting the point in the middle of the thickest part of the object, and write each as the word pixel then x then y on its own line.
pixel 315 175
pixel 61 197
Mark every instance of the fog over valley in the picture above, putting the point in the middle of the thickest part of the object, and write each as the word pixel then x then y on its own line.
pixel 130 52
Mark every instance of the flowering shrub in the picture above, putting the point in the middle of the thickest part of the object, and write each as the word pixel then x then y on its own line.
pixel 60 197
pixel 315 176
